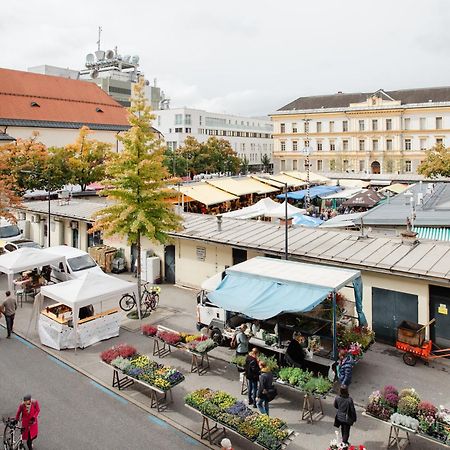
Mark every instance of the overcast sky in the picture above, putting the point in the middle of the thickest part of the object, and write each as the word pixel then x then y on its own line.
pixel 242 56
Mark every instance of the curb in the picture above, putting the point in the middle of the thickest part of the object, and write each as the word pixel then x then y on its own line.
pixel 136 403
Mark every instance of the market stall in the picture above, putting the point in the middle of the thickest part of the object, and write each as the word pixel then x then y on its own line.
pixel 72 322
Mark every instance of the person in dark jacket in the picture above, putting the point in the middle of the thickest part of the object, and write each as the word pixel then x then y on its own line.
pixel 295 354
pixel 265 385
pixel 345 368
pixel 252 372
pixel 346 413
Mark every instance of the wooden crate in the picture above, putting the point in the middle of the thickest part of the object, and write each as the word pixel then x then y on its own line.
pixel 409 333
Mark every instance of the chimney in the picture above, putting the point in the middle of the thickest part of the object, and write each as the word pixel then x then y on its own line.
pixel 409 237
pixel 219 222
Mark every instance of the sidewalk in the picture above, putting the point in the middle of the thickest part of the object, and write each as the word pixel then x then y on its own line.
pixel 382 365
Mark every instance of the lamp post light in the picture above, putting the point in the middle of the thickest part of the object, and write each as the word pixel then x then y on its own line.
pixel 307 151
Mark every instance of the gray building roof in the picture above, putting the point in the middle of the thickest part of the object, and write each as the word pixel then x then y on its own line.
pixel 53 124
pixel 380 254
pixel 435 210
pixel 342 100
pixel 6 137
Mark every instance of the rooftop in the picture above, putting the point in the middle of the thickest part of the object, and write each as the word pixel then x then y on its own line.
pixel 429 260
pixel 30 99
pixel 342 100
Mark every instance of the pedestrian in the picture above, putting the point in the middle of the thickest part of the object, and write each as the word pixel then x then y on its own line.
pixel 225 444
pixel 241 341
pixel 345 368
pixel 28 412
pixel 295 353
pixel 345 415
pixel 266 390
pixel 252 372
pixel 8 308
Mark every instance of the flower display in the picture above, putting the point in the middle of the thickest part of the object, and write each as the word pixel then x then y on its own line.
pixel 201 345
pixel 269 432
pixel 169 337
pixel 405 421
pixel 305 380
pixel 123 350
pixel 149 330
pixel 407 405
pixel 355 334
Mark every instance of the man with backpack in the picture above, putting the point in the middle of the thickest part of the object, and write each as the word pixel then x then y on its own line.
pixel 266 390
pixel 252 373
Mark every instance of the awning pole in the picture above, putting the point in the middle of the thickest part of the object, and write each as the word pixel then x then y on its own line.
pixel 335 355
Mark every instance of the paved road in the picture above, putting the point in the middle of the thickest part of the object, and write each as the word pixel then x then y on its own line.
pixel 76 412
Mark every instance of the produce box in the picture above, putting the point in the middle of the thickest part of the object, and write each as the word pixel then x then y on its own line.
pixel 409 333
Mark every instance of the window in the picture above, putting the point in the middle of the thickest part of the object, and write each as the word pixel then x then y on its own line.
pixel 294 146
pixel 294 164
pixel 319 165
pixel 345 125
pixel 345 164
pixel 439 141
pixel 332 146
pixel 282 128
pixel 319 146
pixel 362 165
pixel 282 164
pixel 388 124
pixel 306 144
pixel 361 125
pixel 332 165
pixel 438 123
pixel 283 146
pixel 306 125
pixel 423 144
pixel 423 123
pixel 319 127
pixel 294 128
pixel 388 144
pixel 362 144
pixel 200 119
pixel 178 119
pixel 407 166
pixel 345 145
pixel 375 145
pixel 331 126
pixel 188 130
pixel 407 144
pixel 375 124
pixel 187 119
pixel 407 123
pixel 178 130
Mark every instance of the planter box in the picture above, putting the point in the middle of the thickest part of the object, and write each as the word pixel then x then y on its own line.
pixel 409 333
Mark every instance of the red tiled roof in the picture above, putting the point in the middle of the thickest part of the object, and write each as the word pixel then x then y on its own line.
pixel 59 99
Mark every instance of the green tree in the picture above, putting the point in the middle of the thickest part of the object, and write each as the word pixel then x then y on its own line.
pixel 436 163
pixel 265 161
pixel 244 165
pixel 136 184
pixel 8 196
pixel 87 159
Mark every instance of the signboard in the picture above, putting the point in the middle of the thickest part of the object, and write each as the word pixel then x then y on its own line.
pixel 201 253
pixel 442 309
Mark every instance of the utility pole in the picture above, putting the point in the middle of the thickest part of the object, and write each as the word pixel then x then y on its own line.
pixel 307 151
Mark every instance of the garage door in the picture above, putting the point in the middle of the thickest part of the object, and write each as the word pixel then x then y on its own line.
pixel 389 309
pixel 440 310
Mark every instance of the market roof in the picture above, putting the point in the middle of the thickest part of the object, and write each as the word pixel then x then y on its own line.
pixel 268 181
pixel 282 178
pixel 241 186
pixel 315 191
pixel 346 183
pixel 345 193
pixel 343 100
pixel 365 199
pixel 313 177
pixel 395 188
pixel 380 254
pixel 206 194
pixel 26 258
pixel 31 99
pixel 344 220
pixel 435 210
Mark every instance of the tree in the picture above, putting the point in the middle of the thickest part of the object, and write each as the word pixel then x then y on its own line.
pixel 244 165
pixel 436 163
pixel 87 159
pixel 265 161
pixel 135 179
pixel 8 196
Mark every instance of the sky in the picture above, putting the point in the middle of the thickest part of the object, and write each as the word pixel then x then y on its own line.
pixel 246 57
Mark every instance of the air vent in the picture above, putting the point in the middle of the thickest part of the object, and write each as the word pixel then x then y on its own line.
pixel 100 110
pixel 34 104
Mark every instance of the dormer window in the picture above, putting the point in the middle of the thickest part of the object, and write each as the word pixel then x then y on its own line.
pixel 99 110
pixel 35 105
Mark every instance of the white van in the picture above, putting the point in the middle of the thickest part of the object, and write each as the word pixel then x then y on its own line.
pixel 78 263
pixel 9 231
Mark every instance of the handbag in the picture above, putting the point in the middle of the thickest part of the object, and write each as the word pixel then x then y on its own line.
pixel 271 393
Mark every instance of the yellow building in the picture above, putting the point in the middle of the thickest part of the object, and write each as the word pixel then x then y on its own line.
pixel 380 132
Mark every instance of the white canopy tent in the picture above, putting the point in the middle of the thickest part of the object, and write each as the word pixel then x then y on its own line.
pixel 265 207
pixel 279 211
pixel 26 259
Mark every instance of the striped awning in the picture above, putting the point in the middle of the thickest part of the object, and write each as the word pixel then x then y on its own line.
pixel 433 233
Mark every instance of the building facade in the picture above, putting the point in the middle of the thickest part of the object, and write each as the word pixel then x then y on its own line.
pixel 250 138
pixel 379 132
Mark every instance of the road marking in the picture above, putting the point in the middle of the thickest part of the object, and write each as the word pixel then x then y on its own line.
pixel 165 425
pixel 110 393
pixel 23 341
pixel 60 363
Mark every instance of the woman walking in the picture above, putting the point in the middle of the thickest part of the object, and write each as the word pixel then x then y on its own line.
pixel 346 413
pixel 252 372
pixel 28 413
pixel 266 389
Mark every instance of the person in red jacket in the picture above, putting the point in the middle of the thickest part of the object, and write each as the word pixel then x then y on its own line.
pixel 28 413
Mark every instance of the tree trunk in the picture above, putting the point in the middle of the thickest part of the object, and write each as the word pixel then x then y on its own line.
pixel 139 287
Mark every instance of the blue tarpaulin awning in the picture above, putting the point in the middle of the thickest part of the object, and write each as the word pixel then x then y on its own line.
pixel 315 191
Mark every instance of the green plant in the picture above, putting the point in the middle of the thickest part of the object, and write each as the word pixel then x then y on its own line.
pixel 407 406
pixel 238 360
pixel 270 361
pixel 409 392
pixel 323 385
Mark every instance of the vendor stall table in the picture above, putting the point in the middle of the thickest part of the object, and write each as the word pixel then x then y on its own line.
pixel 214 434
pixel 159 398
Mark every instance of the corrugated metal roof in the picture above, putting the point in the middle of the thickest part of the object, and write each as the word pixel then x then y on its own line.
pixel 432 233
pixel 337 248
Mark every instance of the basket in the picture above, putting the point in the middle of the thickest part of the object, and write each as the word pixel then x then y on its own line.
pixel 411 333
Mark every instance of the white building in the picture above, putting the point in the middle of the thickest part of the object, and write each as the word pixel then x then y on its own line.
pixel 249 137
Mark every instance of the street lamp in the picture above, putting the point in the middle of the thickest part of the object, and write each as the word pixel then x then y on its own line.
pixel 307 151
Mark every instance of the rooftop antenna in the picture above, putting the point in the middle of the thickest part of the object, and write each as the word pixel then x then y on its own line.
pixel 99 37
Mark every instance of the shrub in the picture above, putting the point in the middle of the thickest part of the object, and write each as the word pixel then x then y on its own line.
pixel 407 406
pixel 409 392
pixel 426 409
pixel 149 330
pixel 391 399
pixel 389 389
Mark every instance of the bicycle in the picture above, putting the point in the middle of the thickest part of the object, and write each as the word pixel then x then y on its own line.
pixel 12 434
pixel 149 299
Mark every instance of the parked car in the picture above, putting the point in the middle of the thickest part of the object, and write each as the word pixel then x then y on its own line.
pixel 78 263
pixel 21 243
pixel 9 231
